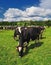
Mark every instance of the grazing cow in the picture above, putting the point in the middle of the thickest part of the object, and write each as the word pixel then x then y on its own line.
pixel 23 37
pixel 25 34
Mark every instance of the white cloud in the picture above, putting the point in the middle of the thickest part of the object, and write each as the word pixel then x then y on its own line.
pixel 31 13
pixel 36 11
pixel 43 12
pixel 13 12
pixel 45 4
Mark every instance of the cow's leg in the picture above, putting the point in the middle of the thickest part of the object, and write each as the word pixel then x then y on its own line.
pixel 38 38
pixel 41 36
pixel 26 45
pixel 35 40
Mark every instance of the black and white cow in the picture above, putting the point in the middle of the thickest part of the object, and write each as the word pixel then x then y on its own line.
pixel 23 37
pixel 25 34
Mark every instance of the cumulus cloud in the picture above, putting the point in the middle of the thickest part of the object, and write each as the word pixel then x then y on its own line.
pixel 43 12
pixel 31 13
pixel 12 12
pixel 45 4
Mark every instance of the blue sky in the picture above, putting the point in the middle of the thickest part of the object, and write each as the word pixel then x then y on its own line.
pixel 18 3
pixel 13 10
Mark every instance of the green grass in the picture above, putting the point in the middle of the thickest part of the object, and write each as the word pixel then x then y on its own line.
pixel 35 56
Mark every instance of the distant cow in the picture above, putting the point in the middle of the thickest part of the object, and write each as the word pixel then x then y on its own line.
pixel 1 27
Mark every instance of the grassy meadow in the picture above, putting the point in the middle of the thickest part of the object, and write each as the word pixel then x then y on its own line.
pixel 36 55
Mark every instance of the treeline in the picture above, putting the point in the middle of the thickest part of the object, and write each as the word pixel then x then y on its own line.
pixel 6 23
pixel 26 23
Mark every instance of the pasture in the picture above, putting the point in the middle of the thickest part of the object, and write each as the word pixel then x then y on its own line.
pixel 37 54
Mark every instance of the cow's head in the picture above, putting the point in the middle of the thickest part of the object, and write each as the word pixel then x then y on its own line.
pixel 20 50
pixel 17 32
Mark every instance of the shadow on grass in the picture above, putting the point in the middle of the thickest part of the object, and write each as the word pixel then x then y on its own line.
pixel 35 45
pixel 43 37
pixel 32 46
